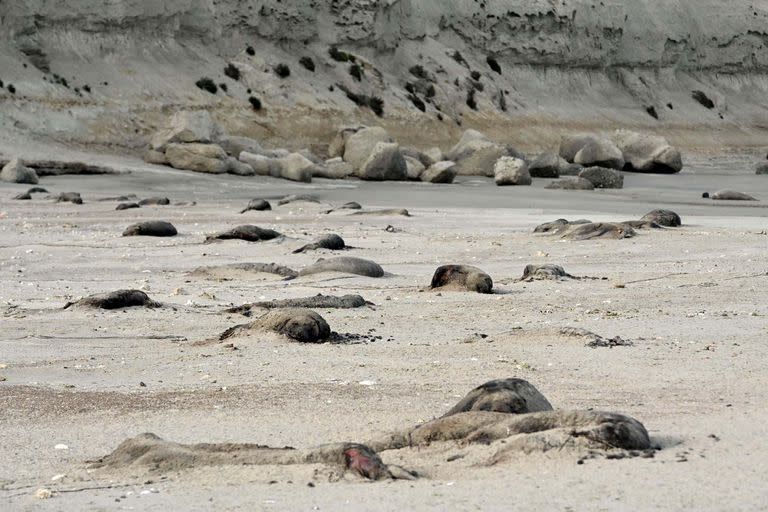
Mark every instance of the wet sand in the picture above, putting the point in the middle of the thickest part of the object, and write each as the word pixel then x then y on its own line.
pixel 693 303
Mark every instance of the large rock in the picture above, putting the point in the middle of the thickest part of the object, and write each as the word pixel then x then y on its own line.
pixel 423 158
pixel 547 165
pixel 297 167
pixel 602 177
pixel 440 172
pixel 334 169
pixel 360 145
pixel 571 169
pixel 466 145
pixel 187 126
pixel 262 165
pixel 235 145
pixel 385 163
pixel 572 144
pixel 209 158
pixel 648 153
pixel 435 154
pixel 511 171
pixel 339 142
pixel 155 157
pixel 234 166
pixel 414 168
pixel 600 153
pixel 482 158
pixel 16 172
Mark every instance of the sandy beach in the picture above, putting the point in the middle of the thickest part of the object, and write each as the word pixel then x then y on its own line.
pixel 692 301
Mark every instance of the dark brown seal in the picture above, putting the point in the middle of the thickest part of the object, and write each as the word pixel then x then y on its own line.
pixel 461 277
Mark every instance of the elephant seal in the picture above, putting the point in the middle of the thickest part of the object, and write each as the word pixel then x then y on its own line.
pixel 37 190
pixel 461 277
pixel 298 324
pixel 125 198
pixel 24 196
pixel 318 301
pixel 69 197
pixel 352 205
pixel 151 228
pixel 731 195
pixel 293 198
pixel 548 271
pixel 558 226
pixel 247 232
pixel 116 300
pixel 345 264
pixel 387 211
pixel 161 201
pixel 331 242
pixel 666 218
pixel 258 205
pixel 127 206
pixel 236 271
pixel 640 224
pixel 512 396
pixel 594 230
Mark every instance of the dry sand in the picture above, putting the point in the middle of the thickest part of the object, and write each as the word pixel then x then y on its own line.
pixel 694 304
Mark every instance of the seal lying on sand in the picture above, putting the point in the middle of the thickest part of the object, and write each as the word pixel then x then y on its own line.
pixel 558 226
pixel 69 197
pixel 294 198
pixel 247 232
pixel 388 211
pixel 151 228
pixel 599 230
pixel 162 201
pixel 510 415
pixel 345 264
pixel 332 242
pixel 127 206
pixel 258 205
pixel 461 277
pixel 352 205
pixel 730 195
pixel 115 300
pixel 535 272
pixel 666 218
pixel 298 324
pixel 318 301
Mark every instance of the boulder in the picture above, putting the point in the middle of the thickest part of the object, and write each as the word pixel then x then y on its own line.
pixel 155 157
pixel 509 170
pixel 466 145
pixel 187 126
pixel 547 165
pixel 235 166
pixel 309 155
pixel 479 158
pixel 602 177
pixel 16 172
pixel 572 144
pixel 339 142
pixel 235 145
pixel 414 153
pixel 571 183
pixel 360 145
pixel 435 154
pixel 762 168
pixel 600 153
pixel 414 168
pixel 571 169
pixel 648 153
pixel 440 172
pixel 209 158
pixel 334 169
pixel 262 165
pixel 385 163
pixel 296 167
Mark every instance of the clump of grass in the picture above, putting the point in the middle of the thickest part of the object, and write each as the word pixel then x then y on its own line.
pixel 703 99
pixel 475 75
pixel 417 102
pixel 232 71
pixel 308 63
pixel 207 84
pixel 87 88
pixel 471 101
pixel 11 89
pixel 340 56
pixel 223 87
pixel 356 70
pixel 250 51
pixel 375 103
pixel 493 64
pixel 652 112
pixel 458 57
pixel 255 103
pixel 282 70
pixel 419 72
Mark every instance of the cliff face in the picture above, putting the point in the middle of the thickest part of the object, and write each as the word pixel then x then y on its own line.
pixel 108 72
